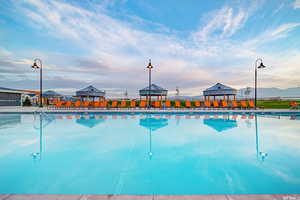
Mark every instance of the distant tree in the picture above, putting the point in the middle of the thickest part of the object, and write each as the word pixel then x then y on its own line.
pixel 27 102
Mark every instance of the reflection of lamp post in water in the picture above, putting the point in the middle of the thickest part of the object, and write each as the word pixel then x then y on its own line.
pixel 150 144
pixel 261 156
pixel 38 155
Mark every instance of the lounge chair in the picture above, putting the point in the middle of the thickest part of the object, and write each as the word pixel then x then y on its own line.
pixel 177 104
pixel 86 104
pixel 143 104
pixel 207 104
pixel 77 104
pixel 59 104
pixel 103 104
pixel 96 104
pixel 224 104
pixel 114 104
pixel 294 105
pixel 132 104
pixel 251 104
pixel 168 104
pixel 68 104
pixel 244 104
pixel 157 104
pixel 216 104
pixel 234 104
pixel 197 104
pixel 123 104
pixel 188 104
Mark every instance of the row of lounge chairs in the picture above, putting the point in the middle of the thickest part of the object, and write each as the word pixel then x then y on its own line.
pixel 156 104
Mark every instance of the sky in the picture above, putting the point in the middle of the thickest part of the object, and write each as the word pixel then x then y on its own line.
pixel 107 43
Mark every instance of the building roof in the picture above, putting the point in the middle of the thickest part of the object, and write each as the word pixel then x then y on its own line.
pixel 219 90
pixel 155 91
pixel 51 93
pixel 90 91
pixel 9 90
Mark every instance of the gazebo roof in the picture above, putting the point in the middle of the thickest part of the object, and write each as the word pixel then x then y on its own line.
pixel 219 90
pixel 90 91
pixel 153 124
pixel 90 123
pixel 220 124
pixel 51 93
pixel 155 91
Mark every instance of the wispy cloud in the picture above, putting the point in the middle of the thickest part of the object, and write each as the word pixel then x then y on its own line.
pixel 118 50
pixel 296 4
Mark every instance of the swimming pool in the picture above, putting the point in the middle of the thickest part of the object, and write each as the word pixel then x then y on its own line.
pixel 149 154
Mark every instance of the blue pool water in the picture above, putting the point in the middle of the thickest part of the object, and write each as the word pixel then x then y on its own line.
pixel 149 154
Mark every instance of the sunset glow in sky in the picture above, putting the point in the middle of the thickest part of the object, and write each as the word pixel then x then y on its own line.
pixel 107 43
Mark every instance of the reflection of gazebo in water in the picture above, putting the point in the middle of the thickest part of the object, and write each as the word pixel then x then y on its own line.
pixel 153 124
pixel 219 90
pixel 155 91
pixel 90 93
pixel 220 124
pixel 90 123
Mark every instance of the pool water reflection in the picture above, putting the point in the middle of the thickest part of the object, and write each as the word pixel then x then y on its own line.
pixel 149 154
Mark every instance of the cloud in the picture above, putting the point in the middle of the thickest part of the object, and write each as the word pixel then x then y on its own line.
pixel 296 4
pixel 118 50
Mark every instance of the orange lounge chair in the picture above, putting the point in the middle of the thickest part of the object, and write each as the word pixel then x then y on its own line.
pixel 104 104
pixel 142 104
pixel 157 104
pixel 197 104
pixel 294 105
pixel 216 104
pixel 234 104
pixel 114 104
pixel 96 104
pixel 207 104
pixel 68 104
pixel 77 104
pixel 177 104
pixel 132 104
pixel 224 104
pixel 168 104
pixel 244 104
pixel 251 104
pixel 86 104
pixel 59 104
pixel 123 104
pixel 188 104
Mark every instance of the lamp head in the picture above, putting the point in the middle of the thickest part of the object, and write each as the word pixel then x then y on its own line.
pixel 35 66
pixel 149 65
pixel 261 66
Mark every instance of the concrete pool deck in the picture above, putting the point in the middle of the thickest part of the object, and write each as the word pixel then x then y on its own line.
pixel 150 197
pixel 128 110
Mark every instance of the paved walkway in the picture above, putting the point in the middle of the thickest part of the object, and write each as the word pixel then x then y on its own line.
pixel 128 110
pixel 151 197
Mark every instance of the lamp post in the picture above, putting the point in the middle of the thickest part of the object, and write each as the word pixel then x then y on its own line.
pixel 40 66
pixel 149 92
pixel 260 66
pixel 260 156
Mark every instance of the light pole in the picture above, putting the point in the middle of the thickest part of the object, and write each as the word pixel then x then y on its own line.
pixel 149 92
pixel 260 66
pixel 40 66
pixel 261 156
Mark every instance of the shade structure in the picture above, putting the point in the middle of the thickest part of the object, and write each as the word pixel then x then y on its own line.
pixel 220 124
pixel 90 123
pixel 51 94
pixel 219 90
pixel 153 124
pixel 155 90
pixel 90 92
